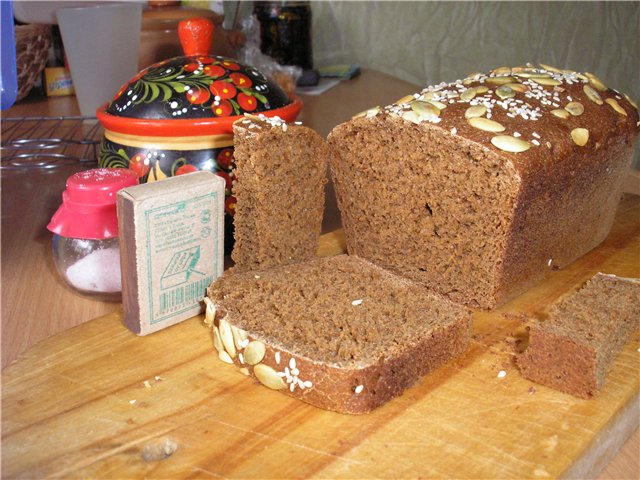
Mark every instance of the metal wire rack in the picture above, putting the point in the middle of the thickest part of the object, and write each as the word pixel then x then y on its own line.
pixel 48 142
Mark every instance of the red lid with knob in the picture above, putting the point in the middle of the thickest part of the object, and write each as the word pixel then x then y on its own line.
pixel 194 94
pixel 88 207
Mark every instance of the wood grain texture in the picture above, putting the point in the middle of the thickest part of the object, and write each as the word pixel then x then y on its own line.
pixel 76 405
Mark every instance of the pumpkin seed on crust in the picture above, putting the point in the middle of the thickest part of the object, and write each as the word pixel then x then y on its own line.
pixel 503 91
pixel 616 106
pixel 517 87
pixel 559 112
pixel 425 109
pixel 268 377
pixel 595 81
pixel 546 81
pixel 574 108
pixel 485 124
pixel 475 111
pixel 510 144
pixel 500 80
pixel 592 94
pixel 468 94
pixel 580 136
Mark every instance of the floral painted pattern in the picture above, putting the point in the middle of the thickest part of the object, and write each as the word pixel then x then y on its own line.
pixel 196 87
pixel 152 165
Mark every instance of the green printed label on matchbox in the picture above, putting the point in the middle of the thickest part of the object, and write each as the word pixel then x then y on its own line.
pixel 181 255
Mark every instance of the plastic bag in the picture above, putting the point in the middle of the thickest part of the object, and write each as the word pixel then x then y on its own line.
pixel 285 75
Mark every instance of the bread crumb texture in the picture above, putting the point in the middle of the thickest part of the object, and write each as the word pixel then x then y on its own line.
pixel 470 187
pixel 280 178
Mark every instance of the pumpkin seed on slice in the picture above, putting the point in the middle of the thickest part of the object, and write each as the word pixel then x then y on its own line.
pixel 546 81
pixel 595 81
pixel 574 108
pixel 227 337
pixel 592 94
pixel 210 312
pixel 239 337
pixel 405 99
pixel 411 116
pixel 367 113
pixel 503 91
pixel 485 124
pixel 437 104
pixel 558 112
pixel 268 377
pixel 475 111
pixel 517 87
pixel 428 96
pixel 224 356
pixel 254 353
pixel 500 80
pixel 616 106
pixel 217 342
pixel 510 144
pixel 580 136
pixel 468 94
pixel 425 109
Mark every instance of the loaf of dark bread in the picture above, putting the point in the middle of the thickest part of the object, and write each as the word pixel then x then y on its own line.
pixel 339 333
pixel 478 188
pixel 574 348
pixel 281 172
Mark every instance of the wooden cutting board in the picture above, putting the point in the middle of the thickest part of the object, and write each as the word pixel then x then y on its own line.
pixel 89 402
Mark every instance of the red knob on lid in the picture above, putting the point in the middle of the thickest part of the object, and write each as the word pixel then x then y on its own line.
pixel 196 35
pixel 88 207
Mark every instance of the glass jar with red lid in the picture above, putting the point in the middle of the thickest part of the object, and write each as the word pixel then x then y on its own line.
pixel 85 241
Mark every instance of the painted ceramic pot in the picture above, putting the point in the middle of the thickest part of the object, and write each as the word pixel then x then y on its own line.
pixel 176 116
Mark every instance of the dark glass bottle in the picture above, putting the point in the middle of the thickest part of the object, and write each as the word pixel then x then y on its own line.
pixel 285 32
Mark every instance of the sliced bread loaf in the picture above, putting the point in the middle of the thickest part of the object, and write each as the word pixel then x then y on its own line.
pixel 281 173
pixel 337 332
pixel 480 187
pixel 574 348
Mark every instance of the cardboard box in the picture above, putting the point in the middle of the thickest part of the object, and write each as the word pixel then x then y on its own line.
pixel 171 248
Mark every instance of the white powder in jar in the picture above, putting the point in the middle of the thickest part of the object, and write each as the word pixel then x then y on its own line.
pixel 97 272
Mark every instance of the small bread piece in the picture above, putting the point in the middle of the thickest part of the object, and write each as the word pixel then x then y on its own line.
pixel 574 348
pixel 281 171
pixel 339 333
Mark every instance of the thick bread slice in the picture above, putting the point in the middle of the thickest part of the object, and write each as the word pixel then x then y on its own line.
pixel 337 332
pixel 574 348
pixel 281 171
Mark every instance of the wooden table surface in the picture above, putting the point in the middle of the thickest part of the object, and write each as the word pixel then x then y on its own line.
pixel 35 302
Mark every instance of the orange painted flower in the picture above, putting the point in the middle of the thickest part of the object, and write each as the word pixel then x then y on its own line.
pixel 223 108
pixel 198 95
pixel 241 80
pixel 247 102
pixel 214 71
pixel 223 89
pixel 225 158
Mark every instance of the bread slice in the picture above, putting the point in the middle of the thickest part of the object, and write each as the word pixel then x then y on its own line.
pixel 281 172
pixel 337 332
pixel 574 348
pixel 479 188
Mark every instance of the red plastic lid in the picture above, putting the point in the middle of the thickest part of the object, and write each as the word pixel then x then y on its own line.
pixel 88 207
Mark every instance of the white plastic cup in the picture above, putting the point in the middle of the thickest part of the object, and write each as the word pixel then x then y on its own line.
pixel 101 42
